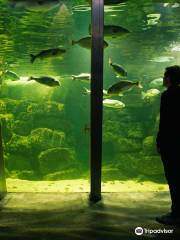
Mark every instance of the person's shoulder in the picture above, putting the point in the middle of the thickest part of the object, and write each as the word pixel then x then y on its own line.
pixel 165 93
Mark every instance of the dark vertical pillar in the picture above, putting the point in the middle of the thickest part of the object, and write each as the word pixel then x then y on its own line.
pixel 96 97
pixel 2 167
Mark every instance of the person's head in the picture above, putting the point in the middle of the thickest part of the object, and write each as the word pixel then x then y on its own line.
pixel 172 76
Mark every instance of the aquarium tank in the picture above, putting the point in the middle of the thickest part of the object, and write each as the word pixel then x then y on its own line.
pixel 45 64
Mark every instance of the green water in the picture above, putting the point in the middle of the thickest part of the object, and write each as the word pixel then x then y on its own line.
pixel 45 129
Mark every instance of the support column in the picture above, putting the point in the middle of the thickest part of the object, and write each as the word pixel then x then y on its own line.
pixel 2 168
pixel 96 97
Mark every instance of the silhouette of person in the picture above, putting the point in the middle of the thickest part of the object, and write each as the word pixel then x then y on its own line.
pixel 168 141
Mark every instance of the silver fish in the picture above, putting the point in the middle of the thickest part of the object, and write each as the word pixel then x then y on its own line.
pixel 151 93
pixel 82 77
pixel 113 103
pixel 121 86
pixel 49 81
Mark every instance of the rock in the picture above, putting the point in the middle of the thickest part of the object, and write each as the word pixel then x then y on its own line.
pixel 62 175
pixel 22 127
pixel 128 163
pixel 110 173
pixel 45 109
pixel 27 175
pixel 43 138
pixel 149 146
pixel 128 145
pixel 18 145
pixel 137 163
pixel 135 132
pixel 151 165
pixel 56 159
pixel 18 162
pixel 2 107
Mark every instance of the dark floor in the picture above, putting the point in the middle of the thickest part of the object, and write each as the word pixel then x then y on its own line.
pixel 51 216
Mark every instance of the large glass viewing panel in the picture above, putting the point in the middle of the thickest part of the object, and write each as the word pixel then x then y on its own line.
pixel 44 94
pixel 144 38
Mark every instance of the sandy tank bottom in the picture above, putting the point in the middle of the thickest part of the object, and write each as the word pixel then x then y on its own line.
pixel 82 185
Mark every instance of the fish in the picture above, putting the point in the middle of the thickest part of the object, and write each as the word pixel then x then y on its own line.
pixel 87 91
pixel 10 75
pixel 112 2
pixel 86 42
pixel 151 93
pixel 121 86
pixel 54 52
pixel 49 81
pixel 113 103
pixel 118 69
pixel 152 19
pixel 82 77
pixel 158 82
pixel 162 59
pixel 172 5
pixel 113 31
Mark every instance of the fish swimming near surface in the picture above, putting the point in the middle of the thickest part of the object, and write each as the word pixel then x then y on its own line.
pixel 54 52
pixel 82 77
pixel 118 69
pixel 113 31
pixel 121 86
pixel 113 103
pixel 10 75
pixel 48 81
pixel 86 42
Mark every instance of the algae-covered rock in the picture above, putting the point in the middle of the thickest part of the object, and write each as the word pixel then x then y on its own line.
pixel 56 159
pixel 151 165
pixel 137 163
pixel 62 175
pixel 115 129
pixel 45 108
pixel 18 144
pixel 128 163
pixel 2 107
pixel 128 145
pixel 19 155
pixel 17 161
pixel 110 173
pixel 6 123
pixel 135 131
pixel 149 145
pixel 44 138
pixel 26 175
pixel 22 127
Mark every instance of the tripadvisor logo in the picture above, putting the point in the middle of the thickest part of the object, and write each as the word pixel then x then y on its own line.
pixel 140 231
